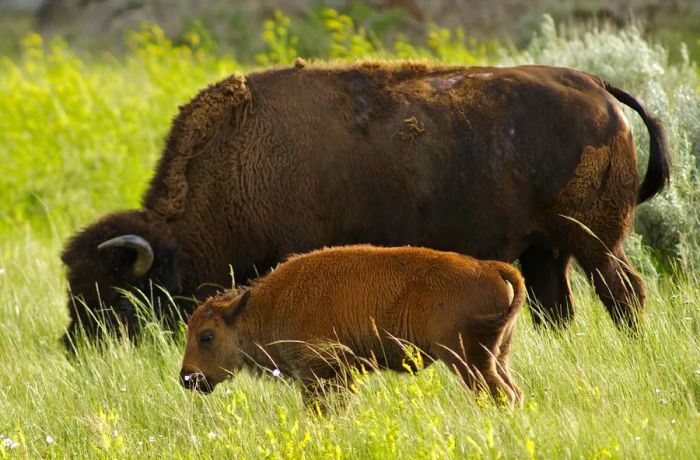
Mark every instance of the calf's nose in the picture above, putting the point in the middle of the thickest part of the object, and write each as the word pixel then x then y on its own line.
pixel 195 381
pixel 186 379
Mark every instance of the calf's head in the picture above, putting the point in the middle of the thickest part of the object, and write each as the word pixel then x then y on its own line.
pixel 213 349
pixel 119 254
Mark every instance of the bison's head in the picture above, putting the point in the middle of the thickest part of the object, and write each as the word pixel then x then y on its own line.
pixel 119 255
pixel 213 350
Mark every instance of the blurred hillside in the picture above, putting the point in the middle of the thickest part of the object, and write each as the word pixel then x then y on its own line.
pixel 235 25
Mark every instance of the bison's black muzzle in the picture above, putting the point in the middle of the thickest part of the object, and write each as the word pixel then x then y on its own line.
pixel 195 381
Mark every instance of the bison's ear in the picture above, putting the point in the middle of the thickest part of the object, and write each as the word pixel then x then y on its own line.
pixel 232 311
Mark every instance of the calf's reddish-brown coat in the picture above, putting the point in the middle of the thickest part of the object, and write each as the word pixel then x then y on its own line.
pixel 371 300
pixel 490 162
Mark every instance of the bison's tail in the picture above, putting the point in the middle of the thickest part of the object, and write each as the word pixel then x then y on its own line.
pixel 658 168
pixel 513 277
pixel 497 321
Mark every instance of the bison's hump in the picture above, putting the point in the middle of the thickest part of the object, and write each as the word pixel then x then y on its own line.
pixel 192 130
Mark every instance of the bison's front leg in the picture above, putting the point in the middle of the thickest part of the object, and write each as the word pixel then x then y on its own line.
pixel 325 372
pixel 547 281
pixel 318 392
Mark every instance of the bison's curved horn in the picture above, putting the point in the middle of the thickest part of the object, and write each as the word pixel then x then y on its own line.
pixel 144 251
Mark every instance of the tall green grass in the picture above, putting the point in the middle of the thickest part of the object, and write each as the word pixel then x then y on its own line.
pixel 79 136
pixel 591 390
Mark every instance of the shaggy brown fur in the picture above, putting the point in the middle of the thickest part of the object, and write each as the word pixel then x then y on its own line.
pixel 371 300
pixel 484 161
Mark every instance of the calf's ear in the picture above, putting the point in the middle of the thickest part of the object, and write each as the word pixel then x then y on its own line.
pixel 231 312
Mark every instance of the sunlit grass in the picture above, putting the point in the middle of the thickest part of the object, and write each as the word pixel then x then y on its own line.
pixel 591 390
pixel 71 129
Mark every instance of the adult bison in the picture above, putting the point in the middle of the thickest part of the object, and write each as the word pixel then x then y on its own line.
pixel 498 163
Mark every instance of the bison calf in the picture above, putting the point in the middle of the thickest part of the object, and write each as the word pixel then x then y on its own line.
pixel 370 300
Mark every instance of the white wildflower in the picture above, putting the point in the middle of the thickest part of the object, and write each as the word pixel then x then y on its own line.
pixel 151 439
pixel 9 443
pixel 276 373
pixel 212 435
pixel 49 439
pixel 227 393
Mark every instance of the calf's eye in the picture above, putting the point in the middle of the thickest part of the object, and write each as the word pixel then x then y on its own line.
pixel 206 337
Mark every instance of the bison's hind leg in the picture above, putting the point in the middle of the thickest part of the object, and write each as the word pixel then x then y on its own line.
pixel 474 359
pixel 593 216
pixel 617 284
pixel 547 281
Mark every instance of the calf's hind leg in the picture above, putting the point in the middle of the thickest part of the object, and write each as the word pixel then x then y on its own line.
pixel 503 362
pixel 474 360
pixel 547 281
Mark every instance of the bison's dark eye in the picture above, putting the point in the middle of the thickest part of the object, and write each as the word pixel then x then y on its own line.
pixel 206 337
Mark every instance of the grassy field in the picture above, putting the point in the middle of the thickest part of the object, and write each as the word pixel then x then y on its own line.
pixel 591 391
pixel 79 136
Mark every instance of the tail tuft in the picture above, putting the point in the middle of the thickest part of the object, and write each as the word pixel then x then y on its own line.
pixel 658 169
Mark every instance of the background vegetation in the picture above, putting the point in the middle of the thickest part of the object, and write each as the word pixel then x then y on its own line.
pixel 80 135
